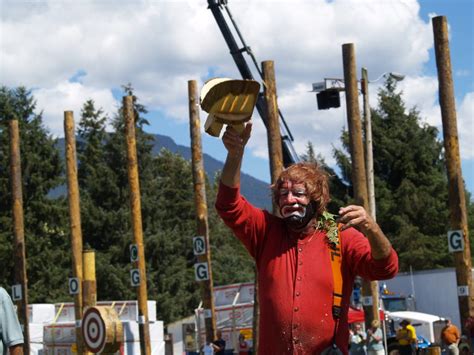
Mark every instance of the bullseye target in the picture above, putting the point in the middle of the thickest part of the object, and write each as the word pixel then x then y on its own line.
pixel 93 330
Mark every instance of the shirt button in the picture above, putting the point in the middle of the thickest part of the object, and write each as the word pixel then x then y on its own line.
pixel 297 293
pixel 299 278
pixel 300 262
pixel 296 309
pixel 300 249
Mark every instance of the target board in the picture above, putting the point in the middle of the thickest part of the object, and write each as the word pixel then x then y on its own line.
pixel 102 330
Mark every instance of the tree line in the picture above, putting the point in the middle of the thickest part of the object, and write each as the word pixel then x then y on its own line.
pixel 410 181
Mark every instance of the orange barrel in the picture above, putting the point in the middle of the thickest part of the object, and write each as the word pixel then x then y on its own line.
pixel 102 329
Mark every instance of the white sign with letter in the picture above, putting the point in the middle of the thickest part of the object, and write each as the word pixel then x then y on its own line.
pixel 455 241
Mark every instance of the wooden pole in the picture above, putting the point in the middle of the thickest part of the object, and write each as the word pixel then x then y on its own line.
pixel 19 231
pixel 273 131
pixel 89 284
pixel 369 164
pixel 457 198
pixel 359 181
pixel 200 202
pixel 276 158
pixel 135 206
pixel 74 220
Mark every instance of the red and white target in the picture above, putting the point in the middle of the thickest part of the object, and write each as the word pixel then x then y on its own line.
pixel 93 330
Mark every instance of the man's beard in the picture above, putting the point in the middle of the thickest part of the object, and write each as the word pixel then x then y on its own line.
pixel 297 216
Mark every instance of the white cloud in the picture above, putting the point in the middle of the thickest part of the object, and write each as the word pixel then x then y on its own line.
pixel 68 96
pixel 159 45
pixel 465 119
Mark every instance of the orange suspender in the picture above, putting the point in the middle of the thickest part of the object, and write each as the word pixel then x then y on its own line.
pixel 335 256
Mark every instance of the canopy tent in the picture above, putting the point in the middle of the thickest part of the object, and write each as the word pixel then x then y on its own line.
pixel 357 315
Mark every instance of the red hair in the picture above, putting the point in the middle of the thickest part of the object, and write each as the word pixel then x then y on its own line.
pixel 312 176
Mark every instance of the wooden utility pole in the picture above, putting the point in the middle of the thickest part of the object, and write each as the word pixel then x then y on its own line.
pixel 135 206
pixel 275 155
pixel 359 181
pixel 74 220
pixel 273 132
pixel 457 198
pixel 369 165
pixel 369 157
pixel 201 244
pixel 19 253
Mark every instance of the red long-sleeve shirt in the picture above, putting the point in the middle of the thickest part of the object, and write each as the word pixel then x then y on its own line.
pixel 295 277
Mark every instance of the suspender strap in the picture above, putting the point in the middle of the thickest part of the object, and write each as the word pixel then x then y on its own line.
pixel 335 255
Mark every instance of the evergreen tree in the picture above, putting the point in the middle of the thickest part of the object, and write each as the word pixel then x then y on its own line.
pixel 410 182
pixel 46 244
pixel 339 191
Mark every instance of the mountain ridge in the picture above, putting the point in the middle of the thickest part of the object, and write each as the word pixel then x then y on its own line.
pixel 255 191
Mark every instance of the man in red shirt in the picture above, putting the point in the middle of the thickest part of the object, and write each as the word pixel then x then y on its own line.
pixel 291 251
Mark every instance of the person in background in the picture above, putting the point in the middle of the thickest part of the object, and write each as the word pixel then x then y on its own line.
pixel 357 339
pixel 406 336
pixel 219 344
pixel 450 336
pixel 464 348
pixel 10 331
pixel 375 339
pixel 469 327
pixel 208 348
pixel 243 345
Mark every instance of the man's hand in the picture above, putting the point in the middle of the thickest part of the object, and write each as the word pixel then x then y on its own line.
pixel 16 349
pixel 356 217
pixel 235 142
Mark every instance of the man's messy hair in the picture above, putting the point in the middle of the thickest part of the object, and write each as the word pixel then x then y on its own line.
pixel 313 176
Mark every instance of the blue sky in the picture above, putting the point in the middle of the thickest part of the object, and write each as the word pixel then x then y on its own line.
pixel 159 45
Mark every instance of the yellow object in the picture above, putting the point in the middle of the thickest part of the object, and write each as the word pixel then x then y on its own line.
pixel 335 255
pixel 228 101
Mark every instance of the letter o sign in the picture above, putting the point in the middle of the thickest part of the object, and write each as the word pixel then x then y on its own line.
pixel 73 286
pixel 455 241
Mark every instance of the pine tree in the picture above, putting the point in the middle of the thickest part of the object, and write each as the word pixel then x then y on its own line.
pixel 339 191
pixel 48 260
pixel 410 182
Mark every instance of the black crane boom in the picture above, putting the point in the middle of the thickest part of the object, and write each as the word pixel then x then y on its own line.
pixel 216 6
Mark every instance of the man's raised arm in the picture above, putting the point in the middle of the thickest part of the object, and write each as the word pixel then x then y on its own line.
pixel 235 145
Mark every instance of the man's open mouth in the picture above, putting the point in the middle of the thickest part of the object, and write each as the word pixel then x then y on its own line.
pixel 293 210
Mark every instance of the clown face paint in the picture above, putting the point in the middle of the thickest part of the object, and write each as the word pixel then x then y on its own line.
pixel 292 196
pixel 295 207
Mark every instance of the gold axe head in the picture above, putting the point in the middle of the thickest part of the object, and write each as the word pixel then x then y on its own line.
pixel 228 101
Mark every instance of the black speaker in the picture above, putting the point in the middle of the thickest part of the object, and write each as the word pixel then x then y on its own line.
pixel 327 99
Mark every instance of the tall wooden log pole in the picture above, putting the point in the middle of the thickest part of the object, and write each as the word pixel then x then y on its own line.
pixel 273 132
pixel 275 154
pixel 74 220
pixel 200 202
pixel 359 181
pixel 135 206
pixel 457 198
pixel 19 231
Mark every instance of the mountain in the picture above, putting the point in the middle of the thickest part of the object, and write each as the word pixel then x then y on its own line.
pixel 256 191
